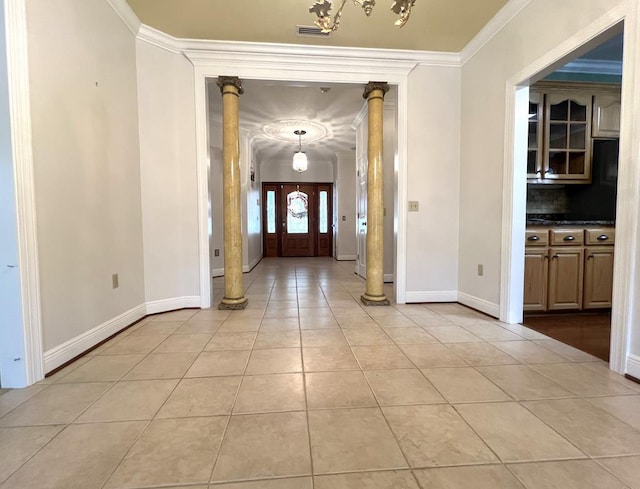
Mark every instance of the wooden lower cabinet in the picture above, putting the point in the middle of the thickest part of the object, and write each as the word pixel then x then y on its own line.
pixel 536 277
pixel 598 277
pixel 565 278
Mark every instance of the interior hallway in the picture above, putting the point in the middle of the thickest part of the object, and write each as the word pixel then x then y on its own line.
pixel 307 389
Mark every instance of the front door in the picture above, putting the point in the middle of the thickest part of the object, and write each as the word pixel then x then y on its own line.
pixel 298 219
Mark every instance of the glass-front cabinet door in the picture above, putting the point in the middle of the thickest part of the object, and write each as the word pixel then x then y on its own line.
pixel 536 131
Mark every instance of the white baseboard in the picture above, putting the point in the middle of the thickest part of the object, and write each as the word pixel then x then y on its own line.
pixel 633 366
pixel 253 264
pixel 165 305
pixel 63 353
pixel 389 278
pixel 346 257
pixel 479 304
pixel 217 272
pixel 431 296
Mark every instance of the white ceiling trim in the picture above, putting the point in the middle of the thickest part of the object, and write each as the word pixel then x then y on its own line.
pixel 492 28
pixel 126 13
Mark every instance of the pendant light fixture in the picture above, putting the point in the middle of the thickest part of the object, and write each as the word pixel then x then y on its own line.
pixel 299 158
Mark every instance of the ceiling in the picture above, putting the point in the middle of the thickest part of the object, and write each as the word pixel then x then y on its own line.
pixel 435 25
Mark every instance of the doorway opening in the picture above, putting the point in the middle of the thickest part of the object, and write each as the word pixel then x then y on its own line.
pixel 297 219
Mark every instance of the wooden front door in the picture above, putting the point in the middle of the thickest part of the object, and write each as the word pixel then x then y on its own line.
pixel 298 219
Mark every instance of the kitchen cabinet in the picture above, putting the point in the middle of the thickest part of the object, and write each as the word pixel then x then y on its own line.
pixel 606 114
pixel 568 269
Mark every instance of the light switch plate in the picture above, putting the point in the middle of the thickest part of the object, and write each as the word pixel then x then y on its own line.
pixel 414 206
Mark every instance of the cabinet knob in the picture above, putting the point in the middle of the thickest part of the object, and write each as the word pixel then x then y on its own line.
pixel 546 257
pixel 533 238
pixel 555 257
pixel 589 257
pixel 602 237
pixel 569 238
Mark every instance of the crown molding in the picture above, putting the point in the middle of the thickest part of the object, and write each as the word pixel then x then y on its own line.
pixel 159 39
pixel 492 28
pixel 128 16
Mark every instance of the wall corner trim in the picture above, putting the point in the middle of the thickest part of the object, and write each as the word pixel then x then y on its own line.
pixel 479 304
pixel 76 346
pixel 126 13
pixel 492 28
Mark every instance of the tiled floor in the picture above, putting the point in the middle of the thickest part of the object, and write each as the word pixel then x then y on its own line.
pixel 307 389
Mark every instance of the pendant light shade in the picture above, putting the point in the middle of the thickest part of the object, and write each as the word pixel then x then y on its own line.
pixel 300 161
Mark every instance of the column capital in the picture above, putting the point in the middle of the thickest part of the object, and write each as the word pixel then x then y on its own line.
pixel 375 85
pixel 230 80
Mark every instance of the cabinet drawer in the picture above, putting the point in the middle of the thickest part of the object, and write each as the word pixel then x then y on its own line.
pixel 567 237
pixel 600 236
pixel 536 237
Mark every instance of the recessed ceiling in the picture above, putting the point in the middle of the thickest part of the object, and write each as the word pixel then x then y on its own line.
pixel 435 25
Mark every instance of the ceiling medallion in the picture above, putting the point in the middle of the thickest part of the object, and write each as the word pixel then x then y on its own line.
pixel 283 130
pixel 322 9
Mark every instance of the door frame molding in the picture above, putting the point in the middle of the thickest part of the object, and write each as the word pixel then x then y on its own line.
pixel 627 261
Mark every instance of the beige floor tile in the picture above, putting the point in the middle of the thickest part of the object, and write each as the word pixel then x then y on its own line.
pixel 131 345
pixel 479 477
pixel 81 457
pixel 528 352
pixel 296 483
pixel 395 479
pixel 327 358
pixel 581 380
pixel 162 366
pixel 279 324
pixel 625 408
pixel 391 322
pixel 381 357
pixel 603 370
pixel 515 434
pixel 219 363
pixel 366 336
pixel 592 430
pixel 58 404
pixel 156 327
pixel 270 393
pixel 481 354
pixel 277 339
pixel 208 396
pixel 17 445
pixel 572 474
pixel 171 451
pixel 248 313
pixel 12 399
pixel 410 336
pixel 278 312
pixel 436 435
pixel 275 361
pixel 489 331
pixel 253 447
pixel 129 401
pixel 432 321
pixel 452 334
pixel 523 331
pixel 319 337
pixel 338 390
pixel 523 383
pixel 180 315
pixel 233 325
pixel 432 355
pixel 103 368
pixel 231 341
pixel 210 315
pixel 184 343
pixel 199 327
pixel 627 469
pixel 314 321
pixel 356 321
pixel 352 440
pixel 464 384
pixel 402 387
pixel 567 351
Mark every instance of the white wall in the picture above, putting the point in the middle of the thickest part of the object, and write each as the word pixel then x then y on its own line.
pixel 168 171
pixel 86 165
pixel 345 192
pixel 319 170
pixel 253 234
pixel 12 374
pixel 433 180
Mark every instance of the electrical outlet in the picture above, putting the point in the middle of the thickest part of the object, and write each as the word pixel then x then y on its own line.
pixel 216 252
pixel 480 269
pixel 344 218
pixel 414 206
pixel 115 281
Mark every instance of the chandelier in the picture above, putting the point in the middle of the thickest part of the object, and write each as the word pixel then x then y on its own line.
pixel 322 9
pixel 299 158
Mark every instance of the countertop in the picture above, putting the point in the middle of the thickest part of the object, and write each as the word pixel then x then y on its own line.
pixel 552 222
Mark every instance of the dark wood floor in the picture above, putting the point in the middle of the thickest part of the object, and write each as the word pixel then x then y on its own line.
pixel 589 332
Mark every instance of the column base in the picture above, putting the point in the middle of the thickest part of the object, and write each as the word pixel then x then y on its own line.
pixel 374 300
pixel 233 304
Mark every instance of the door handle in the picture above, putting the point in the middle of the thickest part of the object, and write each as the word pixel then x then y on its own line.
pixel 364 223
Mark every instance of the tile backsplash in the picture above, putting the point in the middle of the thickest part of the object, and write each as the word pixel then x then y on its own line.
pixel 545 199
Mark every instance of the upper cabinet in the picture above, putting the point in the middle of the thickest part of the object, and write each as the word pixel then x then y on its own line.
pixel 561 132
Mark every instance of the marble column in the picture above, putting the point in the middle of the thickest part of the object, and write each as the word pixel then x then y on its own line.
pixel 374 294
pixel 231 89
